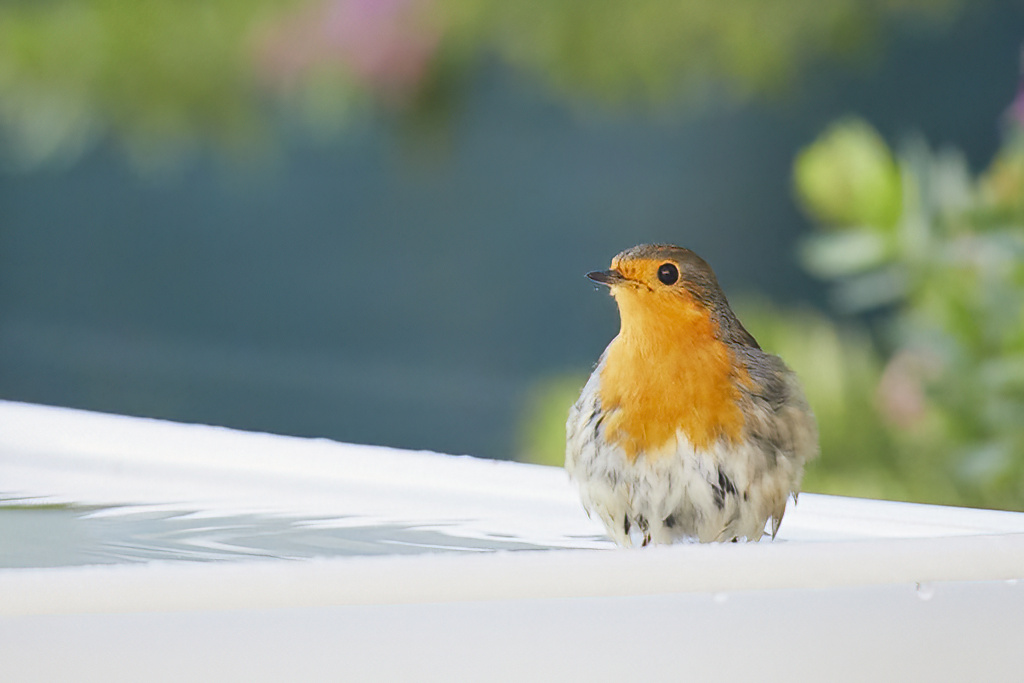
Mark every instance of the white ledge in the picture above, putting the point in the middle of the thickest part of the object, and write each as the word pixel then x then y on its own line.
pixel 840 573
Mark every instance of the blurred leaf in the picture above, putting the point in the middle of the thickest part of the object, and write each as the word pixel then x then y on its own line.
pixel 542 427
pixel 871 290
pixel 950 281
pixel 844 254
pixel 848 178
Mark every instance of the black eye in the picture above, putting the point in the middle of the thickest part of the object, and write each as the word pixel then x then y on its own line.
pixel 668 273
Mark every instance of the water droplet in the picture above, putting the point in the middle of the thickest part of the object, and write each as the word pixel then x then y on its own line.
pixel 720 597
pixel 925 591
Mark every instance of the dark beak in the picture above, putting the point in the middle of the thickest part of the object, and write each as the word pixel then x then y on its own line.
pixel 606 277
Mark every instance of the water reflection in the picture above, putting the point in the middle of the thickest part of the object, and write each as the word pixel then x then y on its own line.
pixel 41 535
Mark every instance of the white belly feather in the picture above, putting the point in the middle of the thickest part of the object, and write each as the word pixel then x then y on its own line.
pixel 721 493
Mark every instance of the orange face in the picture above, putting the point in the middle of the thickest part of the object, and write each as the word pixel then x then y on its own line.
pixel 666 372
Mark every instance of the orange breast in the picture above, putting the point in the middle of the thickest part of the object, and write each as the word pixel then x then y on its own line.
pixel 667 372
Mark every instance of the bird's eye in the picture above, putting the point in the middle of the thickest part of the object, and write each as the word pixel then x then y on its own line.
pixel 668 273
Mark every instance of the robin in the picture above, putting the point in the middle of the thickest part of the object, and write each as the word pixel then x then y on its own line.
pixel 686 429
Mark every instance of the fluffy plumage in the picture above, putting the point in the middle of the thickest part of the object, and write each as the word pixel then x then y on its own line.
pixel 686 428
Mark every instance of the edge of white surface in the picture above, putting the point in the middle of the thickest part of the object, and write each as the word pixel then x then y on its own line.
pixel 168 587
pixel 105 457
pixel 60 455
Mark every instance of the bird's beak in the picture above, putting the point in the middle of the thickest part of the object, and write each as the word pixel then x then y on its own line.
pixel 607 277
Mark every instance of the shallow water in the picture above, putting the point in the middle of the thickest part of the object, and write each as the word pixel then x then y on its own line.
pixel 40 535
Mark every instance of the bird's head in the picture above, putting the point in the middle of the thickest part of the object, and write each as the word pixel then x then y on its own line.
pixel 661 284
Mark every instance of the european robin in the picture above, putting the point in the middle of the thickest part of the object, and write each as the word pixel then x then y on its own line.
pixel 686 428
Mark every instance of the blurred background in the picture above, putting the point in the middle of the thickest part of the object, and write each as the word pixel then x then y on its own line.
pixel 369 220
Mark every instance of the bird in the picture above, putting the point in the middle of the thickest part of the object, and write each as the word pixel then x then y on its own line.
pixel 686 431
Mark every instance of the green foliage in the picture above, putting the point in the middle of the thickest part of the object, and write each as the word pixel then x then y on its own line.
pixel 650 50
pixel 542 431
pixel 950 274
pixel 156 72
pixel 162 76
pixel 929 407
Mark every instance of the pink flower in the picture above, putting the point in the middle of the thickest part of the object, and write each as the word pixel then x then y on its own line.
pixel 385 45
pixel 901 391
pixel 1015 112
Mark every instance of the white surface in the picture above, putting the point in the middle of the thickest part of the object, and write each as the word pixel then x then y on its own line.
pixel 56 455
pixel 885 633
pixel 852 590
pixel 60 455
